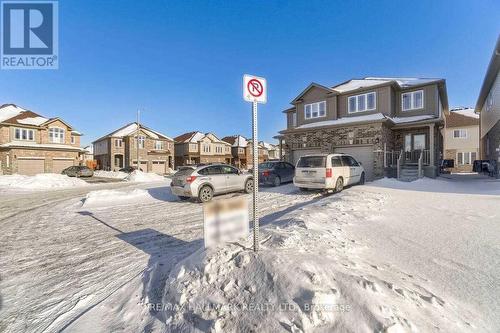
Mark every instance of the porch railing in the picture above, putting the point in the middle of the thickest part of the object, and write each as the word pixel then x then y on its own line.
pixel 391 158
pixel 399 164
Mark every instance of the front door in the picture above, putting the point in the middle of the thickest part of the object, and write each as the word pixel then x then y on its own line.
pixel 414 144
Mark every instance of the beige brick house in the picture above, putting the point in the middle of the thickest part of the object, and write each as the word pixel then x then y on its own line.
pixel 461 138
pixel 242 151
pixel 388 124
pixel 32 144
pixel 196 147
pixel 118 149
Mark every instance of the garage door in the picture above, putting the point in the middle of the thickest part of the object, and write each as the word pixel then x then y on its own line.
pixel 296 154
pixel 60 165
pixel 30 167
pixel 158 167
pixel 364 155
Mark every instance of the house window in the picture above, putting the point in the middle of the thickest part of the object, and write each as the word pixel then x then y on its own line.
pixel 364 102
pixel 465 158
pixel 141 141
pixel 159 145
pixel 314 110
pixel 118 143
pixel 56 135
pixel 412 100
pixel 460 134
pixel 206 148
pixel 24 134
pixel 294 119
pixel 489 101
pixel 73 140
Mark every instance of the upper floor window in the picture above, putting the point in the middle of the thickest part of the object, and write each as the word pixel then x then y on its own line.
pixel 142 139
pixel 460 133
pixel 73 140
pixel 206 148
pixel 314 110
pixel 412 100
pixel 56 135
pixel 159 145
pixel 218 149
pixel 24 134
pixel 118 143
pixel 193 147
pixel 241 150
pixel 294 119
pixel 489 101
pixel 364 102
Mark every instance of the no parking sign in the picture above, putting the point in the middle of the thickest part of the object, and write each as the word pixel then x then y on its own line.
pixel 254 89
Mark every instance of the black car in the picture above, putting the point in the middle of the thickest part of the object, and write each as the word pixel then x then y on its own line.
pixel 78 171
pixel 275 172
pixel 129 169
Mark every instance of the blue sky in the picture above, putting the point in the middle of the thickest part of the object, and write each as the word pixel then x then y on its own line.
pixel 182 62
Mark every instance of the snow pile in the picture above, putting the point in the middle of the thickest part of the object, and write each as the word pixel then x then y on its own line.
pixel 114 197
pixel 40 182
pixel 143 177
pixel 309 275
pixel 110 174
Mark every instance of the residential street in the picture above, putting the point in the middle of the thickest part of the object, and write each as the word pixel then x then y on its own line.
pixel 69 264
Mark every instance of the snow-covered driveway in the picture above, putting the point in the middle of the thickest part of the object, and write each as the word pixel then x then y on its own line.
pixel 91 266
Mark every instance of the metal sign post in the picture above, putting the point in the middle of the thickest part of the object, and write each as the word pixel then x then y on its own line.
pixel 255 91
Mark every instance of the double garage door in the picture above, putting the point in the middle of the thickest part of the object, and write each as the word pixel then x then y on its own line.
pixel 363 154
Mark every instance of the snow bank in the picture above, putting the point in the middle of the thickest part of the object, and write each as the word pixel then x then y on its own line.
pixel 110 174
pixel 143 177
pixel 309 276
pixel 114 197
pixel 40 182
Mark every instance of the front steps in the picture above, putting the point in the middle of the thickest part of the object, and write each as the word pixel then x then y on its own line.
pixel 409 173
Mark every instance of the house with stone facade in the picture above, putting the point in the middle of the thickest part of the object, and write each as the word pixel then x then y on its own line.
pixel 488 107
pixel 32 144
pixel 461 139
pixel 118 149
pixel 196 147
pixel 391 125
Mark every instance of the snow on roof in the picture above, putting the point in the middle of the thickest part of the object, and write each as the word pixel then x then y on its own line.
pixel 131 128
pixel 196 137
pixel 240 142
pixel 374 81
pixel 38 145
pixel 346 120
pixel 357 84
pixel 468 112
pixel 267 145
pixel 403 120
pixel 37 121
pixel 8 111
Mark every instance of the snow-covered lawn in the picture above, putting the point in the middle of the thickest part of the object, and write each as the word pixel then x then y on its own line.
pixel 387 256
pixel 44 181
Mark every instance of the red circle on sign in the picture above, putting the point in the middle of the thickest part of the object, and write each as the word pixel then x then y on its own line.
pixel 255 87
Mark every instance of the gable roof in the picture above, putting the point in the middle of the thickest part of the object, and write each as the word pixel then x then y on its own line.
pixel 130 129
pixel 236 140
pixel 490 76
pixel 13 114
pixel 310 86
pixel 462 117
pixel 196 136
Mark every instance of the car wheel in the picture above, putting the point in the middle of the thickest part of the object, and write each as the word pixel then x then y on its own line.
pixel 303 189
pixel 249 186
pixel 206 194
pixel 277 181
pixel 183 198
pixel 339 186
pixel 362 179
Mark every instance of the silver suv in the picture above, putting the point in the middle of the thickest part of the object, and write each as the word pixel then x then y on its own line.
pixel 203 182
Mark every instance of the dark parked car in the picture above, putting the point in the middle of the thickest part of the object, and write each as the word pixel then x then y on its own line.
pixel 129 169
pixel 275 172
pixel 78 171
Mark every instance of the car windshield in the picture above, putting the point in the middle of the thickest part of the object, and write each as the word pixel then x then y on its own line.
pixel 266 165
pixel 312 162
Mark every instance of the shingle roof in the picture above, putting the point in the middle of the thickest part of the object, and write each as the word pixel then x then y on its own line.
pixel 130 129
pixel 456 119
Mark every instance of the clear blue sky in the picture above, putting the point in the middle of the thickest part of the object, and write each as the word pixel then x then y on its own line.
pixel 183 61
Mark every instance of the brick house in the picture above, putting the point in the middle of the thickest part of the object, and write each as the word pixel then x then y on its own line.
pixel 488 107
pixel 377 120
pixel 118 149
pixel 32 144
pixel 196 147
pixel 242 151
pixel 461 138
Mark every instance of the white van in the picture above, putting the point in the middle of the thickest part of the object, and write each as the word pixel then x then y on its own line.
pixel 328 172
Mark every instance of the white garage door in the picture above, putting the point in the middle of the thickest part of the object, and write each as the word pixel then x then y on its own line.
pixel 30 167
pixel 60 165
pixel 296 154
pixel 364 155
pixel 158 167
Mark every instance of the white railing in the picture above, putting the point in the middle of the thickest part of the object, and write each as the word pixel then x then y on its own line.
pixel 420 160
pixel 391 158
pixel 400 160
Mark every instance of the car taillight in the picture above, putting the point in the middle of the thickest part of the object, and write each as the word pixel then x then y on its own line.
pixel 329 173
pixel 265 173
pixel 190 179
